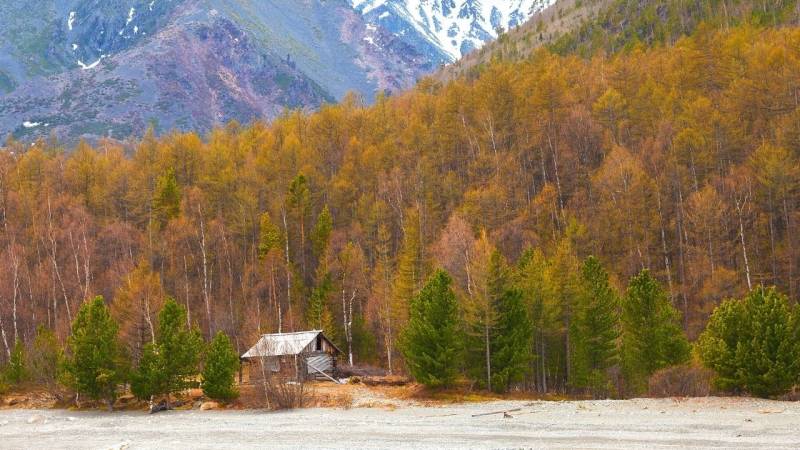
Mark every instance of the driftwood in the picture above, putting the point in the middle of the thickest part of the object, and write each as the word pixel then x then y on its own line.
pixel 504 412
pixel 164 406
pixel 158 407
pixel 385 381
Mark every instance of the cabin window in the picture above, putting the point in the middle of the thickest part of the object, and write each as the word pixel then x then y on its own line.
pixel 319 343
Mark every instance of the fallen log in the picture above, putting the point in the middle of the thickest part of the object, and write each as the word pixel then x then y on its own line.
pixel 385 381
pixel 158 407
pixel 504 412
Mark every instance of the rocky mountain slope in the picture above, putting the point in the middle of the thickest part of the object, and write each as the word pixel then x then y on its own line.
pixel 92 68
pixel 452 27
pixel 586 27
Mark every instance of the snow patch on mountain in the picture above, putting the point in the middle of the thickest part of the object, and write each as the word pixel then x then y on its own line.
pixel 455 27
pixel 92 65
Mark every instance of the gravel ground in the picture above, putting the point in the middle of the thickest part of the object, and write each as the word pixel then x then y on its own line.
pixel 640 423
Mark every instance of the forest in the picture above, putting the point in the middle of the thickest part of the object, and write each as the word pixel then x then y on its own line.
pixel 666 174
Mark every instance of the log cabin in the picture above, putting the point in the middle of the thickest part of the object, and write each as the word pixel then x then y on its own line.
pixel 303 355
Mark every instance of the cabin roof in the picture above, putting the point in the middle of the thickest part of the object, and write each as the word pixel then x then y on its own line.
pixel 281 344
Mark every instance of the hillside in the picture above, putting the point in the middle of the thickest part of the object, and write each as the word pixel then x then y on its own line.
pixel 675 166
pixel 101 68
pixel 455 27
pixel 544 28
pixel 585 27
pixel 111 71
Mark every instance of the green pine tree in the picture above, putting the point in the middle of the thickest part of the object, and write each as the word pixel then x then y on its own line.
pixel 545 312
pixel 482 314
pixel 16 371
pixel 651 334
pixel 180 345
pixel 409 270
pixel 594 329
pixel 321 233
pixel 167 198
pixel 219 371
pixel 96 364
pixel 171 363
pixel 150 377
pixel 269 237
pixel 796 334
pixel 431 343
pixel 318 314
pixel 365 344
pixel 752 344
pixel 45 356
pixel 511 343
pixel 563 287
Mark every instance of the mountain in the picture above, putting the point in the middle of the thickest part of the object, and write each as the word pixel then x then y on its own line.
pixel 452 27
pixel 675 165
pixel 544 28
pixel 586 27
pixel 93 68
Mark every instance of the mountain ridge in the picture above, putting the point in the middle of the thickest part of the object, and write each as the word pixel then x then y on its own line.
pixel 101 68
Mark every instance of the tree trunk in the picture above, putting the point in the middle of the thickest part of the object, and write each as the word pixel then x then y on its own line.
pixel 544 361
pixel 186 292
pixel 771 219
pixel 55 261
pixel 229 265
pixel 206 295
pixel 488 356
pixel 389 345
pixel 15 284
pixel 667 266
pixel 5 338
pixel 790 244
pixel 739 209
pixel 288 273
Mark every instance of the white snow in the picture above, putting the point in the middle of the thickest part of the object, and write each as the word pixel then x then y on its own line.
pixel 131 15
pixel 371 31
pixel 28 124
pixel 92 65
pixel 448 30
pixel 71 20
pixel 74 47
pixel 150 6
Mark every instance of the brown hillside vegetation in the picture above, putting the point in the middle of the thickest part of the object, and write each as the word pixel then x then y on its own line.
pixel 680 159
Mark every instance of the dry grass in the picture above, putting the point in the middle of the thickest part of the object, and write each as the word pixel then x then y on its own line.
pixel 681 381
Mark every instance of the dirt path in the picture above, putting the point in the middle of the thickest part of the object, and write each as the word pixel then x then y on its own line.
pixel 696 423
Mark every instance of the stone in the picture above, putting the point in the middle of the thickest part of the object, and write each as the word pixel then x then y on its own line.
pixel 11 401
pixel 208 406
pixel 37 419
